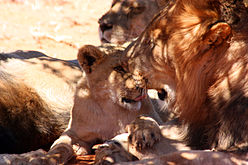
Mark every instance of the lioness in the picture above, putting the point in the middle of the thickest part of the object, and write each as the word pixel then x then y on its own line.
pixel 126 19
pixel 199 48
pixel 36 95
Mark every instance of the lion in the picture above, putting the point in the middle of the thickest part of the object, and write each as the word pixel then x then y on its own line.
pixel 36 98
pixel 105 101
pixel 126 19
pixel 203 72
pixel 198 48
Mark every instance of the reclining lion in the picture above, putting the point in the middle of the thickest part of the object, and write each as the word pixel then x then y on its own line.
pixel 106 100
pixel 36 95
pixel 203 59
pixel 126 19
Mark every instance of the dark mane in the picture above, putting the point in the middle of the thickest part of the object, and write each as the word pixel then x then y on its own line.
pixel 200 49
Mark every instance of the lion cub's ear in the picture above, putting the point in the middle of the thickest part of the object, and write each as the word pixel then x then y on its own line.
pixel 88 57
pixel 217 33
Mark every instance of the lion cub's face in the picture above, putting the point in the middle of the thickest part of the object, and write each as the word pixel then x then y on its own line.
pixel 107 80
pixel 126 19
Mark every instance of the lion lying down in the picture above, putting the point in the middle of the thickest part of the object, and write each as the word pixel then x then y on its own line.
pixel 36 95
pixel 106 100
pixel 126 19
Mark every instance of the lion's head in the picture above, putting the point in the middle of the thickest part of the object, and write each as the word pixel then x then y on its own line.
pixel 126 19
pixel 107 79
pixel 199 48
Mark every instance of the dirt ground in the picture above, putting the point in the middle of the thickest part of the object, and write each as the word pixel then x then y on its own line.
pixel 54 27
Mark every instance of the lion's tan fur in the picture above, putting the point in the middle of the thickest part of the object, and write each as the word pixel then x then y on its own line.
pixel 100 111
pixel 126 19
pixel 207 73
pixel 36 97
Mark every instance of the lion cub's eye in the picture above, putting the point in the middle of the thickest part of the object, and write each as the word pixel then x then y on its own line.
pixel 119 69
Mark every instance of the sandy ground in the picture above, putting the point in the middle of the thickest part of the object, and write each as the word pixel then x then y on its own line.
pixel 55 27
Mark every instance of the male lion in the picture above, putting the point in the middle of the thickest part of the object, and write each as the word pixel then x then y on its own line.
pixel 126 19
pixel 36 95
pixel 199 48
pixel 209 73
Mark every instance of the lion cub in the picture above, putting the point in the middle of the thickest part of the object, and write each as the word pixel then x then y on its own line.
pixel 106 100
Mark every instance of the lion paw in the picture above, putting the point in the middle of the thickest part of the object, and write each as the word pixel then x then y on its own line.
pixel 112 152
pixel 144 132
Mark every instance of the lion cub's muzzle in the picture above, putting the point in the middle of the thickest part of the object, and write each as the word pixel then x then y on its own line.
pixel 140 97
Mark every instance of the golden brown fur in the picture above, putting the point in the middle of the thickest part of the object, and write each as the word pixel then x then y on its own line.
pixel 126 19
pixel 209 73
pixel 36 97
pixel 106 100
pixel 168 150
pixel 26 121
pixel 139 142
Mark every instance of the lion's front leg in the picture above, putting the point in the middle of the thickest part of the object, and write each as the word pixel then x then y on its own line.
pixel 144 132
pixel 112 152
pixel 62 150
pixel 67 146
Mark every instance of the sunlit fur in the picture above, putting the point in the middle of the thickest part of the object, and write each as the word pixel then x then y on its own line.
pixel 126 19
pixel 103 104
pixel 199 48
pixel 36 95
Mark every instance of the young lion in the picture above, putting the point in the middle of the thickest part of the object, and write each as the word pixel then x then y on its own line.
pixel 106 100
pixel 126 19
